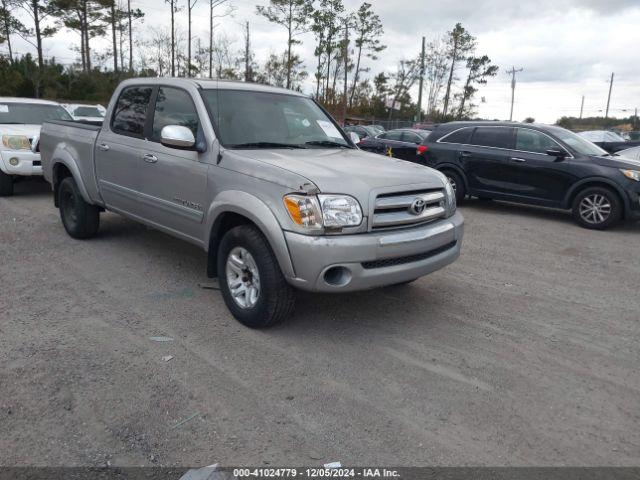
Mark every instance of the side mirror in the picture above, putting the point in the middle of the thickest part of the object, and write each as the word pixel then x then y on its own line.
pixel 177 136
pixel 355 138
pixel 559 154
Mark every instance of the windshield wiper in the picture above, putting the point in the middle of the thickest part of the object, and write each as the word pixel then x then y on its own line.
pixel 327 143
pixel 266 145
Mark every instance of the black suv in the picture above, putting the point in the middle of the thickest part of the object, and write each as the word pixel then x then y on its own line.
pixel 535 164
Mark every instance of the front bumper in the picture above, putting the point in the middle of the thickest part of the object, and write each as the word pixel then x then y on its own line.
pixel 364 261
pixel 28 162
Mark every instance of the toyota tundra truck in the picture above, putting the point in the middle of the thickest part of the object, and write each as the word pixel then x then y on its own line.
pixel 263 180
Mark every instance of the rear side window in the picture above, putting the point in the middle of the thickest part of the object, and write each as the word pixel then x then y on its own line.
pixel 459 136
pixel 130 113
pixel 411 137
pixel 533 141
pixel 174 107
pixel 497 137
pixel 391 136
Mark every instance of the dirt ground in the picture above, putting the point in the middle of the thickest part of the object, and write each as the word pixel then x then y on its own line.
pixel 524 352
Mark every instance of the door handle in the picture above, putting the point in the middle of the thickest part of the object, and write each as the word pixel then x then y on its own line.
pixel 104 147
pixel 519 160
pixel 464 154
pixel 150 158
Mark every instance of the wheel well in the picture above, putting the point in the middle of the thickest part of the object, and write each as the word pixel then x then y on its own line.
pixel 458 172
pixel 225 222
pixel 592 184
pixel 60 172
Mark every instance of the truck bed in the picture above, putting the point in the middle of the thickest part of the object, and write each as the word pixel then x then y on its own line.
pixel 73 143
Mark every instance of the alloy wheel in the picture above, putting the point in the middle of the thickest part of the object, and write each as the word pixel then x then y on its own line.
pixel 595 209
pixel 243 278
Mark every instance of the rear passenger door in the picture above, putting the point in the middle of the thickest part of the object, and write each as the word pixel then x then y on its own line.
pixel 390 143
pixel 409 148
pixel 118 149
pixel 173 183
pixel 485 160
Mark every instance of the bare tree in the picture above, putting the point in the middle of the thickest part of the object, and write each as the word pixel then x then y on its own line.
pixel 293 15
pixel 38 10
pixel 213 9
pixel 190 6
pixel 173 4
pixel 368 31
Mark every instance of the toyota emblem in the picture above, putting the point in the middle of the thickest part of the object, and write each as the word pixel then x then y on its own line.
pixel 418 206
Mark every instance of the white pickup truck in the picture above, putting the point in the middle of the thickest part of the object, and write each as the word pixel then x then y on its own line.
pixel 20 123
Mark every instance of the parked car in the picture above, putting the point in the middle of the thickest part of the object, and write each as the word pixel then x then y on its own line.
pixel 379 128
pixel 536 164
pixel 401 143
pixel 612 142
pixel 363 131
pixel 20 122
pixel 632 153
pixel 277 209
pixel 86 113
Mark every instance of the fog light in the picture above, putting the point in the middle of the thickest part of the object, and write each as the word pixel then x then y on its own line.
pixel 14 162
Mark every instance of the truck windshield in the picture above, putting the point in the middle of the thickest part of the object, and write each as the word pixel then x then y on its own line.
pixel 249 119
pixel 88 112
pixel 31 113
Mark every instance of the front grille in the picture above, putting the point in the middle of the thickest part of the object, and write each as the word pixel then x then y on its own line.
pixel 397 210
pixel 37 163
pixel 392 262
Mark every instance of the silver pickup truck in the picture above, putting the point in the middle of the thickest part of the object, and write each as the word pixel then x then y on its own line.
pixel 261 178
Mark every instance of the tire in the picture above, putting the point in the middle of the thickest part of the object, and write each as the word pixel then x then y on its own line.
pixel 457 183
pixel 6 184
pixel 597 208
pixel 80 219
pixel 244 253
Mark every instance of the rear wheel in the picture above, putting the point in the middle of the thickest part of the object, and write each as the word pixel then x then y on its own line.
pixel 80 219
pixel 457 183
pixel 597 208
pixel 252 285
pixel 6 184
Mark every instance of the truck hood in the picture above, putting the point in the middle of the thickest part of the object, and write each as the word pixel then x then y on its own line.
pixel 348 171
pixel 26 130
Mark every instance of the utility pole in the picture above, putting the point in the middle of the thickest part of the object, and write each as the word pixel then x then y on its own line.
pixel 513 72
pixel 419 117
pixel 606 115
pixel 346 69
pixel 582 107
pixel 247 57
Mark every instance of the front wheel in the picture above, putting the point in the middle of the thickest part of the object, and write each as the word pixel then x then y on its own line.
pixel 597 208
pixel 80 219
pixel 252 285
pixel 6 184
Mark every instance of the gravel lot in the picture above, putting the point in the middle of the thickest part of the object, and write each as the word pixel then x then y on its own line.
pixel 524 352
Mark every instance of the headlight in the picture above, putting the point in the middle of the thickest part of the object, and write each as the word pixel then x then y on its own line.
pixel 304 211
pixel 450 193
pixel 16 142
pixel 340 211
pixel 329 211
pixel 632 174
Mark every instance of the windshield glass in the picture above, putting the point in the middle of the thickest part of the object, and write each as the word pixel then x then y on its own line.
pixel 88 112
pixel 245 119
pixel 577 143
pixel 31 113
pixel 601 136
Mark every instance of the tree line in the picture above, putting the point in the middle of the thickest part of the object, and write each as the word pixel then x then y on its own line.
pixel 342 76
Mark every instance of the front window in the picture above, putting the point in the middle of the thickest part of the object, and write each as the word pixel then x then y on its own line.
pixel 88 112
pixel 532 141
pixel 247 119
pixel 31 113
pixel 581 145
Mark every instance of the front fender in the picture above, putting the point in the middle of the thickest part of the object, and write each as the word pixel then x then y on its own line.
pixel 259 213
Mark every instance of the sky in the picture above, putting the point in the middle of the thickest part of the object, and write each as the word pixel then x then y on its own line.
pixel 566 48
